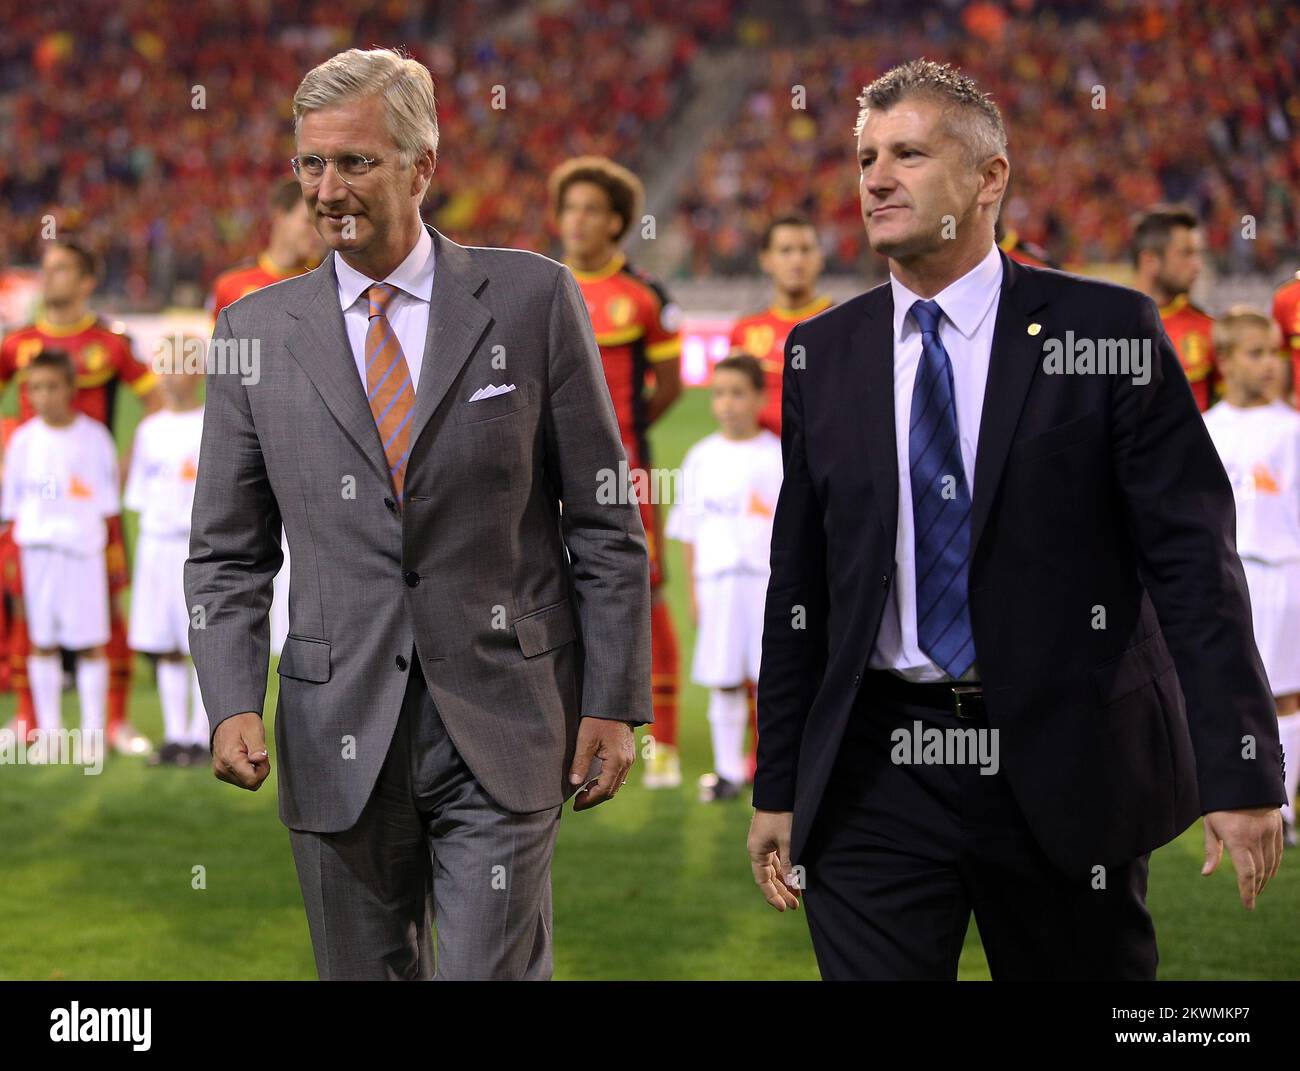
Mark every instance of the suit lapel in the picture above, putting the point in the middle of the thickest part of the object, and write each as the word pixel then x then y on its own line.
pixel 873 368
pixel 457 320
pixel 1012 360
pixel 319 343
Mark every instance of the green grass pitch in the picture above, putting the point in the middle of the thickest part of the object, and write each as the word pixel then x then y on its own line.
pixel 98 874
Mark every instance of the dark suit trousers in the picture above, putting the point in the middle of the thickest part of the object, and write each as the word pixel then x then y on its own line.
pixel 430 846
pixel 900 855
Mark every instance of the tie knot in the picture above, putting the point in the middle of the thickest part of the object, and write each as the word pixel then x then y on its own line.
pixel 926 314
pixel 381 296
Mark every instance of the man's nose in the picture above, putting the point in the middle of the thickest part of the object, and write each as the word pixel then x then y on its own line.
pixel 331 188
pixel 879 182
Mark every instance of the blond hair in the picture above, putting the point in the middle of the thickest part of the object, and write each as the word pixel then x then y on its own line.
pixel 1228 327
pixel 405 84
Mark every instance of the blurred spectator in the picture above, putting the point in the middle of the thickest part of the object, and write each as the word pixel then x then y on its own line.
pixel 1202 105
pixel 153 128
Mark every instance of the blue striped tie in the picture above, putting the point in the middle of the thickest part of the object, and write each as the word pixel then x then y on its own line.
pixel 940 505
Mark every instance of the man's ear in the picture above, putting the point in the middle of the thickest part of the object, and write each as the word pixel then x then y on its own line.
pixel 995 174
pixel 425 165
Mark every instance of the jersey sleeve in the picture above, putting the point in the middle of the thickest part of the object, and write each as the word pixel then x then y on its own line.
pixel 8 360
pixel 737 335
pixel 132 371
pixel 110 503
pixel 683 518
pixel 773 471
pixel 220 296
pixel 134 497
pixel 663 326
pixel 9 487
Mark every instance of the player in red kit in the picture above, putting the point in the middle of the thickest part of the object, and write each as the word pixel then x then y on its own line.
pixel 292 248
pixel 103 358
pixel 1286 311
pixel 595 202
pixel 1167 258
pixel 792 259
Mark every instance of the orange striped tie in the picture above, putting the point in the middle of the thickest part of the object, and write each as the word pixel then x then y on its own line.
pixel 388 385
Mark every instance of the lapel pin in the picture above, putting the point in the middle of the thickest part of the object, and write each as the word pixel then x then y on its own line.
pixel 1035 328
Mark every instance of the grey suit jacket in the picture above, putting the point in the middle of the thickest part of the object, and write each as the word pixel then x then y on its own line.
pixel 525 614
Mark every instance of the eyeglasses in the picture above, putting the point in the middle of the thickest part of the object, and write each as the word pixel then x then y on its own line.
pixel 349 166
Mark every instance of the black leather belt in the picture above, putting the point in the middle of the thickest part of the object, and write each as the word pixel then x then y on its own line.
pixel 964 701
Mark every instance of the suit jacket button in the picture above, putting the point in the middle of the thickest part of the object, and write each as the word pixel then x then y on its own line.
pixel 412 579
pixel 401 662
pixel 884 580
pixel 388 502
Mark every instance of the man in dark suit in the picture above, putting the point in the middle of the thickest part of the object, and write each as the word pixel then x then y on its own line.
pixel 1007 647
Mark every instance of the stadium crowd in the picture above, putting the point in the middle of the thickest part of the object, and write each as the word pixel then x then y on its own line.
pixel 1208 115
pixel 103 130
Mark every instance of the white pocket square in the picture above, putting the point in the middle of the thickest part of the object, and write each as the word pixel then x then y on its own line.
pixel 491 392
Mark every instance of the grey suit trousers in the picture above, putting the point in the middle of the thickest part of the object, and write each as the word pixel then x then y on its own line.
pixel 430 848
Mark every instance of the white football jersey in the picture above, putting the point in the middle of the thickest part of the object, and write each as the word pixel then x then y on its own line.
pixel 164 464
pixel 728 499
pixel 60 484
pixel 1260 448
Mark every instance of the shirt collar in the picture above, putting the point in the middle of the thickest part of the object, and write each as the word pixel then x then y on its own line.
pixel 965 302
pixel 414 276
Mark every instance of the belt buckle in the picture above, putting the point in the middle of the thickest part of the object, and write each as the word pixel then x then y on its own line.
pixel 966 692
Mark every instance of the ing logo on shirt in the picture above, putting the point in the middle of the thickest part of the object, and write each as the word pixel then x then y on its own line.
pixel 620 310
pixel 1263 481
pixel 1195 351
pixel 27 349
pixel 94 357
pixel 758 339
pixel 1260 481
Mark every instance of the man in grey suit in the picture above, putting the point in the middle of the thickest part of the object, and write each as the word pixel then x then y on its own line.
pixel 469 635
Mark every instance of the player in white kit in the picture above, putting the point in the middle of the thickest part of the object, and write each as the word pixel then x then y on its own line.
pixel 1258 439
pixel 60 487
pixel 160 487
pixel 730 483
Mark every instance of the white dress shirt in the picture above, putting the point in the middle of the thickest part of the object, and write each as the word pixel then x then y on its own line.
pixel 966 330
pixel 408 312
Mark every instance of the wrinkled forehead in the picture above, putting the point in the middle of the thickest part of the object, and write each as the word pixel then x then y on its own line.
pixel 357 125
pixel 915 117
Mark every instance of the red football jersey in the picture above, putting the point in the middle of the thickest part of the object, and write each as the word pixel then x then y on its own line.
pixel 763 336
pixel 100 352
pixel 1190 329
pixel 637 326
pixel 235 283
pixel 1286 311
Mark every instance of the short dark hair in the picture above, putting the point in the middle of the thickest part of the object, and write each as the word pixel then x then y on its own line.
pixel 285 196
pixel 624 190
pixel 86 260
pixel 58 360
pixel 1153 229
pixel 747 365
pixel 784 221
